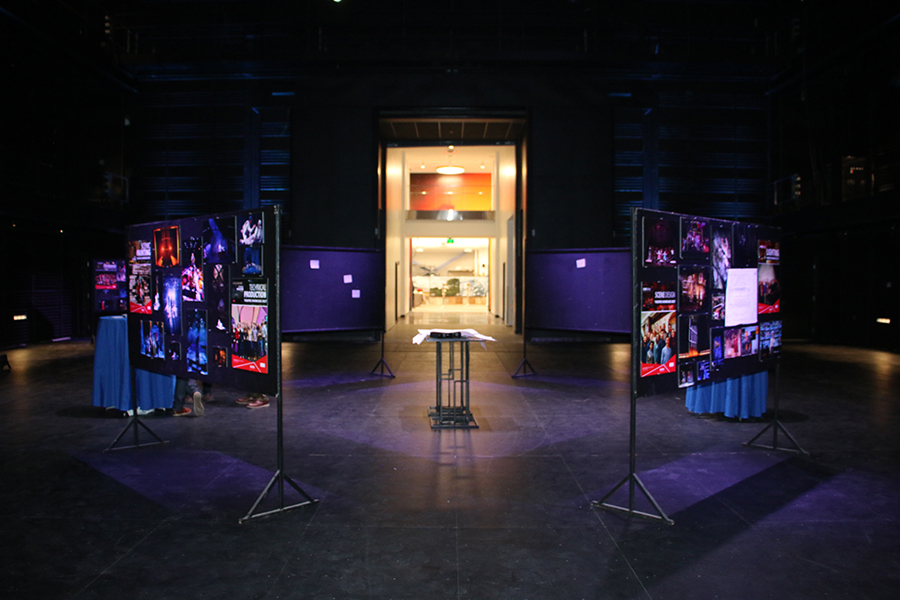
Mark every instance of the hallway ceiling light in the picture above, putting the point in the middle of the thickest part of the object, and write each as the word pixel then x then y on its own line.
pixel 449 169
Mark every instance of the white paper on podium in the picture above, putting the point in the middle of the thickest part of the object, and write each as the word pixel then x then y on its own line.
pixel 468 334
pixel 741 294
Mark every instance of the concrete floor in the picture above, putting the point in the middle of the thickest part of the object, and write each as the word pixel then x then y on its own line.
pixel 503 511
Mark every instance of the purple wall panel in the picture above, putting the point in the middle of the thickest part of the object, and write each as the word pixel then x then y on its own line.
pixel 345 290
pixel 579 290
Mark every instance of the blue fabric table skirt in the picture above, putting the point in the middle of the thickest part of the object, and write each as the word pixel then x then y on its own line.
pixel 112 372
pixel 153 389
pixel 741 397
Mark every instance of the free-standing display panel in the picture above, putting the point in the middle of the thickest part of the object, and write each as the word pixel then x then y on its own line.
pixel 707 299
pixel 204 298
pixel 332 289
pixel 578 290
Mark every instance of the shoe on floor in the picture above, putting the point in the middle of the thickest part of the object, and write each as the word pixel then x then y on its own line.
pixel 259 403
pixel 183 412
pixel 199 409
pixel 245 400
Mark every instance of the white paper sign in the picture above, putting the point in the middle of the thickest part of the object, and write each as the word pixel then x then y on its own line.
pixel 741 297
pixel 348 278
pixel 580 263
pixel 313 264
pixel 354 293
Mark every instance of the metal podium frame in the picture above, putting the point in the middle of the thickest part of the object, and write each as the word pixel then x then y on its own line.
pixel 456 412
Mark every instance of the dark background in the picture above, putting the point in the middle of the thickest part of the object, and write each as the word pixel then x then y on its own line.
pixel 128 111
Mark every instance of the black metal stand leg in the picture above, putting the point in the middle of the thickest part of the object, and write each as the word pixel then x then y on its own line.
pixel 381 364
pixel 631 479
pixel 279 477
pixel 776 425
pixel 522 371
pixel 133 422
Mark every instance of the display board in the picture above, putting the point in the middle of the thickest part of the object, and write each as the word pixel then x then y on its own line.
pixel 707 299
pixel 203 298
pixel 578 290
pixel 332 289
pixel 110 286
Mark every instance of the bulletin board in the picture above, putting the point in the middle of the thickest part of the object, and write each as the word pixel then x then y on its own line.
pixel 332 289
pixel 203 298
pixel 707 299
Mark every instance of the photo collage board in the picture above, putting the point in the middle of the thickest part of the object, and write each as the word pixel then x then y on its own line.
pixel 110 286
pixel 708 298
pixel 202 298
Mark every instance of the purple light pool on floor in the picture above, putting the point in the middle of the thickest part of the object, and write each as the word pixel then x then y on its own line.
pixel 188 480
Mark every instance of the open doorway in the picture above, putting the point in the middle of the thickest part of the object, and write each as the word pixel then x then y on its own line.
pixel 450 275
pixel 427 211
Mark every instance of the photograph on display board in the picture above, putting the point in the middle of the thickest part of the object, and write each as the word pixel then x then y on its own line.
pixel 716 345
pixel 769 289
pixel 746 249
pixel 769 339
pixel 157 289
pixel 687 373
pixel 694 238
pixel 175 351
pixel 749 340
pixel 693 335
pixel 105 281
pixel 720 257
pixel 658 295
pixel 693 283
pixel 718 307
pixel 219 357
pixel 250 333
pixel 658 339
pixel 733 342
pixel 106 266
pixel 217 297
pixel 250 244
pixel 166 247
pixel 140 251
pixel 196 349
pixel 219 240
pixel 661 240
pixel 704 370
pixel 139 295
pixel 152 339
pixel 192 273
pixel 170 302
pixel 769 251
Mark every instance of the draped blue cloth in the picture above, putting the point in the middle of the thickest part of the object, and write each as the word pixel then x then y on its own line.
pixel 154 390
pixel 741 397
pixel 112 372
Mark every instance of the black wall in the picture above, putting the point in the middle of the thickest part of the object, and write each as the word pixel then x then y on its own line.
pixel 693 108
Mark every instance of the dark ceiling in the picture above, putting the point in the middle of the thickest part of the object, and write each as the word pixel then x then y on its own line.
pixel 456 131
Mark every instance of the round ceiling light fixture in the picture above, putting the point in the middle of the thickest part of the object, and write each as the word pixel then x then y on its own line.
pixel 449 169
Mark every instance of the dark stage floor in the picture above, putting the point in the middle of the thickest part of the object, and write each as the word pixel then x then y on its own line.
pixel 498 512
